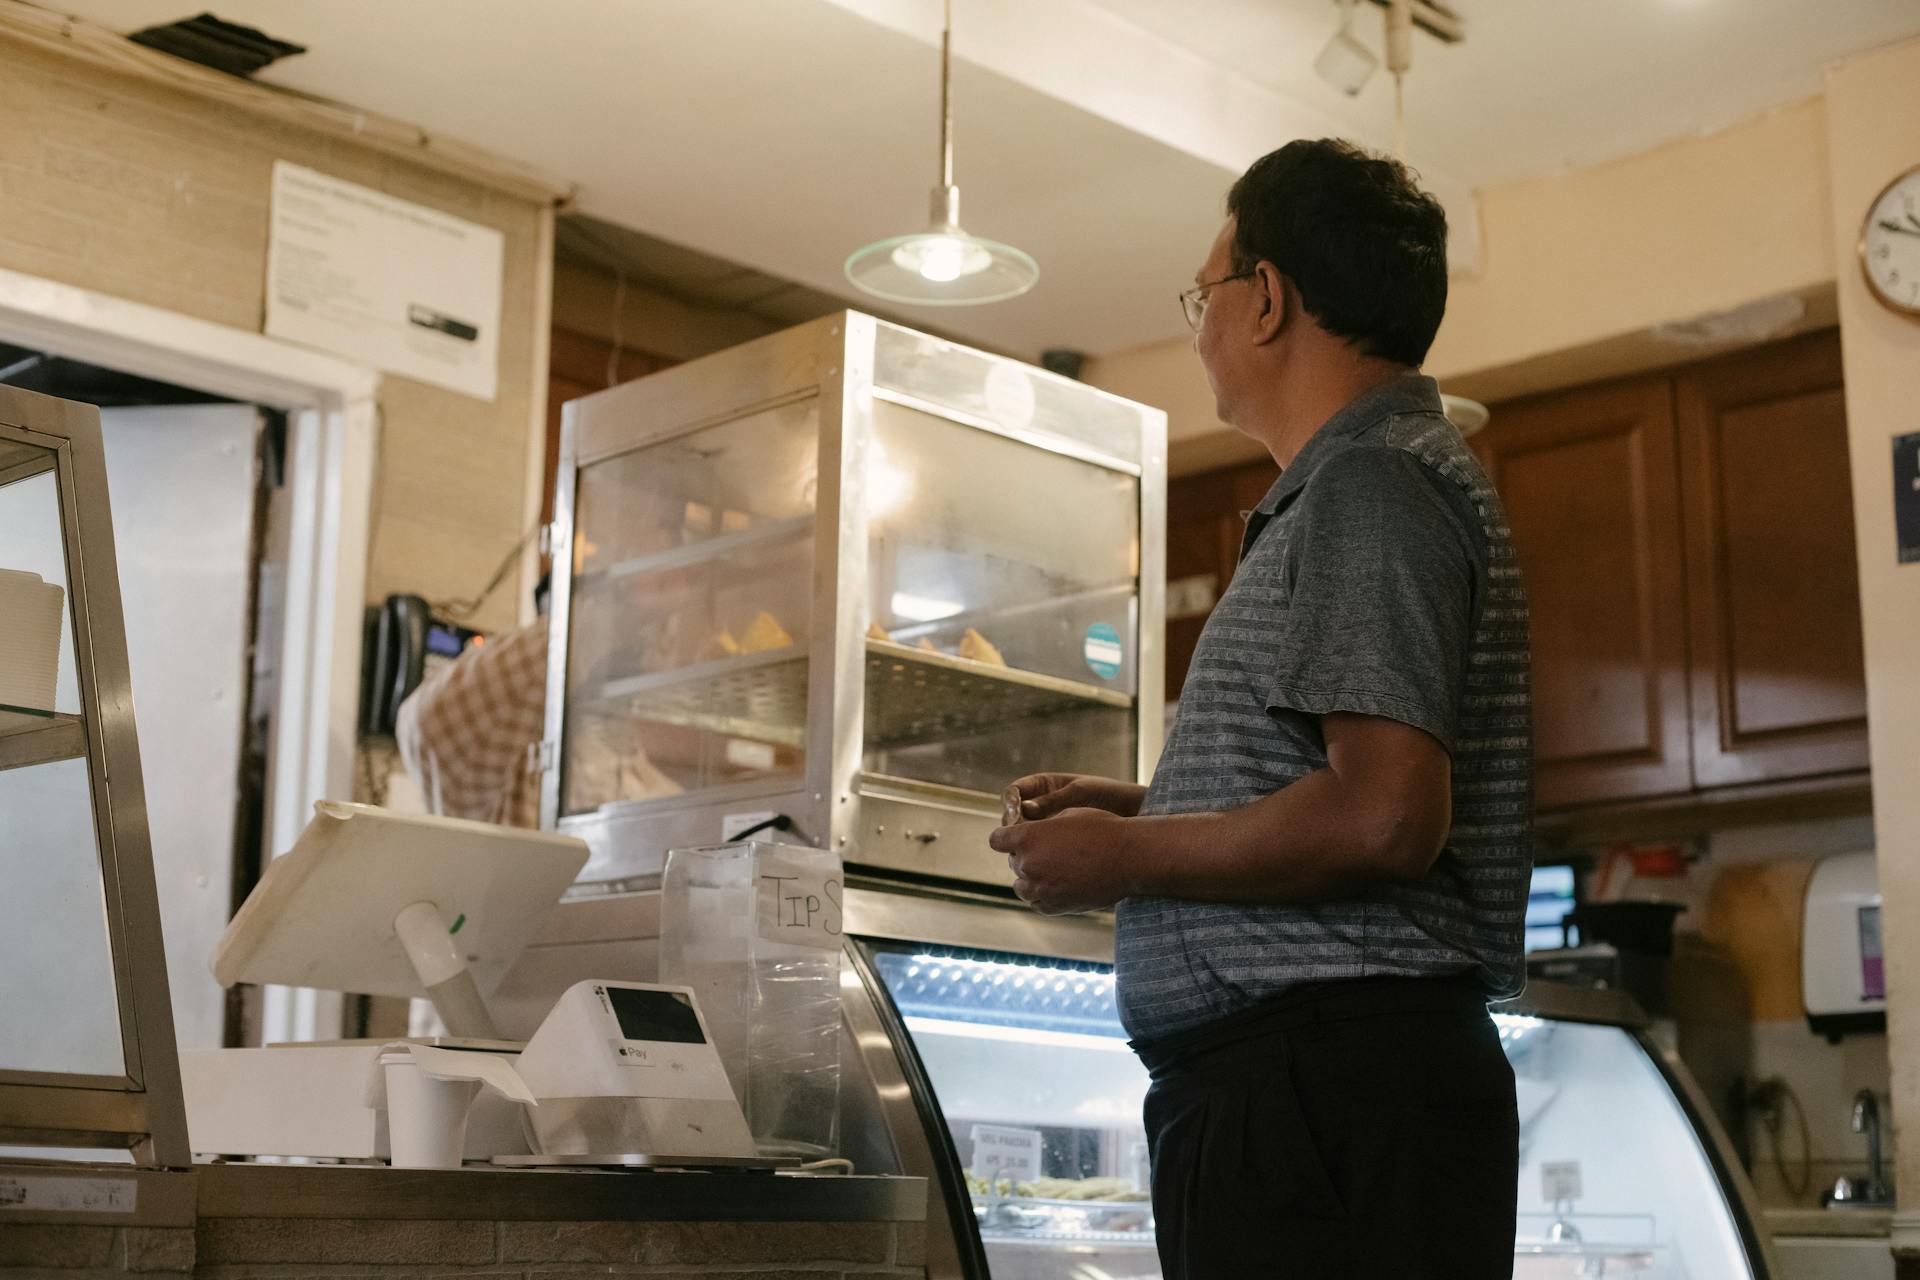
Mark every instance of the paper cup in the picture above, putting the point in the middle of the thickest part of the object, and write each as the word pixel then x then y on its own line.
pixel 426 1118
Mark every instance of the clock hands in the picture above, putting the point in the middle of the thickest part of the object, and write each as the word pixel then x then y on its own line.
pixel 1915 221
pixel 1888 224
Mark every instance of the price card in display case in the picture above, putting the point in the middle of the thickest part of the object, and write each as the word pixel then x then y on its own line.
pixel 1560 1181
pixel 1002 1152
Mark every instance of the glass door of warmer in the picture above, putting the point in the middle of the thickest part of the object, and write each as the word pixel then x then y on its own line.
pixel 1042 1098
pixel 689 617
pixel 1004 598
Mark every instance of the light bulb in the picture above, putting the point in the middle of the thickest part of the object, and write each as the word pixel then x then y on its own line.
pixel 941 258
pixel 942 261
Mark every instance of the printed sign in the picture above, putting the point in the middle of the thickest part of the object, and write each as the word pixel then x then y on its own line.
pixel 1559 1180
pixel 734 824
pixel 799 902
pixel 68 1195
pixel 1002 1152
pixel 1906 497
pixel 1873 960
pixel 385 282
pixel 1103 651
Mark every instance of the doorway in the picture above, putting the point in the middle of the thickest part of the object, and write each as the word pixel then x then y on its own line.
pixel 320 517
pixel 192 479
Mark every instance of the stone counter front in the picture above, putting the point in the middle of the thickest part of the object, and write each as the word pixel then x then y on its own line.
pixel 280 1222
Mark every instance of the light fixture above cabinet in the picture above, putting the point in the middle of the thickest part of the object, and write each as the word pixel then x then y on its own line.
pixel 942 266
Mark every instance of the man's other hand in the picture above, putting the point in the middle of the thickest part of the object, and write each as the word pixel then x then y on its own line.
pixel 1042 795
pixel 1073 861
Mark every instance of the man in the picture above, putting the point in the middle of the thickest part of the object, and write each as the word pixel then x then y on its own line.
pixel 467 733
pixel 1326 880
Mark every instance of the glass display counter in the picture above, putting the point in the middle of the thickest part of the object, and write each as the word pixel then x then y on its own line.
pixel 1030 1101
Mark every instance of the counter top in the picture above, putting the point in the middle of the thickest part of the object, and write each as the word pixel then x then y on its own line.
pixel 242 1190
pixel 1828 1222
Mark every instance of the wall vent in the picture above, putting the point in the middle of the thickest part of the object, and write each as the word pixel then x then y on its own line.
pixel 217 43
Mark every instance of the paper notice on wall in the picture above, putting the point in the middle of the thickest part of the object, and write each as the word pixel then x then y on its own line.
pixel 799 901
pixel 385 282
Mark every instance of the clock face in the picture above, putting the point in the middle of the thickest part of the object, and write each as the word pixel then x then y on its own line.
pixel 1890 244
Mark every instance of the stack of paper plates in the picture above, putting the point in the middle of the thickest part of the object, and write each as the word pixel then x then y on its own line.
pixel 29 639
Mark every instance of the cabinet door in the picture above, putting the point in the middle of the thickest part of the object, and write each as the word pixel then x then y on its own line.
pixel 1773 597
pixel 1590 483
pixel 1203 547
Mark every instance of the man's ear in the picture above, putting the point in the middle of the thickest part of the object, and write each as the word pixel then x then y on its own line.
pixel 1277 302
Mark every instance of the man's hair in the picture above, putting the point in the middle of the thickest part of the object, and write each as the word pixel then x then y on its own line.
pixel 1366 248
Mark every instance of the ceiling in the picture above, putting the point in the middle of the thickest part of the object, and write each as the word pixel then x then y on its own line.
pixel 776 136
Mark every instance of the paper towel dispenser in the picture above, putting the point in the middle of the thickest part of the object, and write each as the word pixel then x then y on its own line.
pixel 1843 965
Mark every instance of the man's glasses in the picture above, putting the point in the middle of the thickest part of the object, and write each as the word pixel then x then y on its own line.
pixel 1194 300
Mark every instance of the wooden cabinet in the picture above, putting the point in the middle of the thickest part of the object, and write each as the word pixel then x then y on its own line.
pixel 1687 539
pixel 1688 545
pixel 1204 524
pixel 1592 495
pixel 1773 596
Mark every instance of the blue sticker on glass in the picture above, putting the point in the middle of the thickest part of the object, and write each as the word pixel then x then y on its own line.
pixel 1103 651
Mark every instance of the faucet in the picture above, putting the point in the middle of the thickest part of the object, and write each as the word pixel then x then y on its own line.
pixel 1866 1119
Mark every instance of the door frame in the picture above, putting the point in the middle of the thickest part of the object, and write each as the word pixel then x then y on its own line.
pixel 333 424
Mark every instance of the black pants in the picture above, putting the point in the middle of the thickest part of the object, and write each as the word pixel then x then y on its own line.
pixel 1360 1130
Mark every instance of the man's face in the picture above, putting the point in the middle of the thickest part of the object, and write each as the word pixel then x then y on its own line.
pixel 1213 341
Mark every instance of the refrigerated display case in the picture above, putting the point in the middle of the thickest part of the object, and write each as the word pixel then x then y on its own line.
pixel 855 577
pixel 1026 1102
pixel 1623 1169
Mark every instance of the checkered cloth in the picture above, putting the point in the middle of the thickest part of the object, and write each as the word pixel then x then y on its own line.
pixel 467 732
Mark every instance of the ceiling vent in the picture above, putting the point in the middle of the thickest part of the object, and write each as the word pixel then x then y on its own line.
pixel 217 43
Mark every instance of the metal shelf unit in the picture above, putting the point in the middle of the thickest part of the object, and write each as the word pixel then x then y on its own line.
pixel 39 737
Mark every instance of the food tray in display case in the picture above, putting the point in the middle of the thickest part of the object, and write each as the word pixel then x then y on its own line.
pixel 825 575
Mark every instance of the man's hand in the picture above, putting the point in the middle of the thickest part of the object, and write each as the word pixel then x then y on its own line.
pixel 1073 861
pixel 1042 795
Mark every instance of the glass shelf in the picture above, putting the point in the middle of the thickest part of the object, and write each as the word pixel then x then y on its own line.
pixel 916 696
pixel 29 737
pixel 697 553
pixel 912 695
pixel 756 695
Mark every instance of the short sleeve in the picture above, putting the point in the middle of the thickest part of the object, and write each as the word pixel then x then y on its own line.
pixel 1381 566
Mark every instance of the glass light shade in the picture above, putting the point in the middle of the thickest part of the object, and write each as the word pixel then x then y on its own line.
pixel 1467 415
pixel 942 266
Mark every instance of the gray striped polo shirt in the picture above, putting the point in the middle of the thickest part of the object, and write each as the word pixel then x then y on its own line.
pixel 1376 577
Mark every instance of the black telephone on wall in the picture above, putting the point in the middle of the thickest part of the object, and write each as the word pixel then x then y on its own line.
pixel 403 644
pixel 393 659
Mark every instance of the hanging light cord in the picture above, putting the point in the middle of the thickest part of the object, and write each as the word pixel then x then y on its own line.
pixel 1399 117
pixel 946 94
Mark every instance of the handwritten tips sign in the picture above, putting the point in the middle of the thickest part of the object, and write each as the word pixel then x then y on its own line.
pixel 799 899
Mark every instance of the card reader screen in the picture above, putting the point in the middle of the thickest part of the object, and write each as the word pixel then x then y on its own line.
pixel 655 1015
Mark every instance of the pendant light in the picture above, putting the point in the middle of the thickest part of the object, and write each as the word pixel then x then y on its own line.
pixel 942 266
pixel 1467 416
